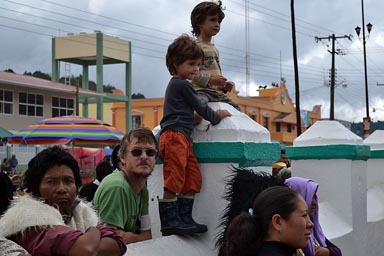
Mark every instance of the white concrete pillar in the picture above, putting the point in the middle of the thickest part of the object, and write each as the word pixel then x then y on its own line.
pixel 375 193
pixel 336 159
pixel 237 141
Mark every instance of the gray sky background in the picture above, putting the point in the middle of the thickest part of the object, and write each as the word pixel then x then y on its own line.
pixel 27 26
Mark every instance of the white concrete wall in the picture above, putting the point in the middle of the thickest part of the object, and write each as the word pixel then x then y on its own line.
pixel 344 200
pixel 350 190
pixel 335 207
pixel 375 178
pixel 209 203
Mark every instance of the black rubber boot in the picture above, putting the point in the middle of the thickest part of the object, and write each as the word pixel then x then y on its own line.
pixel 170 220
pixel 185 205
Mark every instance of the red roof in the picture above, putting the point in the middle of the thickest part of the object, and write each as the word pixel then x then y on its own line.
pixel 34 82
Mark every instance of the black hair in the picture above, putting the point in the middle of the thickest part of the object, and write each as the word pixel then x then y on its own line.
pixel 103 169
pixel 243 234
pixel 242 187
pixel 43 161
pixel 201 11
pixel 246 233
pixel 6 193
pixel 115 157
pixel 181 49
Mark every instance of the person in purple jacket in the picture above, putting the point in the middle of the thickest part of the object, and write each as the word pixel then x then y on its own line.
pixel 318 244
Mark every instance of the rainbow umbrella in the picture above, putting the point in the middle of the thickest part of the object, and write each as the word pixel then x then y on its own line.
pixel 72 130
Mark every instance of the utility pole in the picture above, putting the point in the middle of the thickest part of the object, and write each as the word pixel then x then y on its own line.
pixel 332 87
pixel 247 51
pixel 77 98
pixel 366 119
pixel 296 69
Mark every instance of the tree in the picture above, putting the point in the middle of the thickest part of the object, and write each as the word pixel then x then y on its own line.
pixel 137 96
pixel 42 75
pixel 9 70
pixel 109 88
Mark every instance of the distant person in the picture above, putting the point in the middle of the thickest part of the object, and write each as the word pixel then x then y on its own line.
pixel 6 192
pixel 108 159
pixel 17 181
pixel 5 166
pixel 13 162
pixel 115 158
pixel 285 173
pixel 284 159
pixel 122 198
pixel 182 176
pixel 318 244
pixel 276 167
pixel 51 220
pixel 209 83
pixel 277 225
pixel 88 190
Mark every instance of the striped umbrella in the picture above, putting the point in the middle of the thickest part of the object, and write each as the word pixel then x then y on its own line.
pixel 72 130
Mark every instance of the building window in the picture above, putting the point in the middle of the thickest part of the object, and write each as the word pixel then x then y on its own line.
pixel 289 127
pixel 265 121
pixel 62 107
pixel 253 117
pixel 30 104
pixel 278 127
pixel 136 122
pixel 6 102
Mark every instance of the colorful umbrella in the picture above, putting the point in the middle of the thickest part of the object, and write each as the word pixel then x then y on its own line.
pixel 72 130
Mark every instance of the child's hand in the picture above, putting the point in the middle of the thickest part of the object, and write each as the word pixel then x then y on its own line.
pixel 228 86
pixel 218 81
pixel 223 113
pixel 198 118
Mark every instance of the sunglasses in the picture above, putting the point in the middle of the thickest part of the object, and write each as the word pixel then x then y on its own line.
pixel 136 152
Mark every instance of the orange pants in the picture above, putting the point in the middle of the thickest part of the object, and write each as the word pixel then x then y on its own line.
pixel 180 170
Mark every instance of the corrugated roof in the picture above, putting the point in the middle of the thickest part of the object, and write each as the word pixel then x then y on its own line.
pixel 289 118
pixel 38 83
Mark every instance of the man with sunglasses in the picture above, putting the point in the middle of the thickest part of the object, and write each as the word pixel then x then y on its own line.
pixel 122 197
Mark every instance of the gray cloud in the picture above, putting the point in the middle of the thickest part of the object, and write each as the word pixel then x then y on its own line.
pixel 152 25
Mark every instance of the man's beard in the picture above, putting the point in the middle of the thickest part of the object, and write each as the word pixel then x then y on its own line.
pixel 142 175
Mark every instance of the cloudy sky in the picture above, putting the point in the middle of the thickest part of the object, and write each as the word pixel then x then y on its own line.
pixel 27 26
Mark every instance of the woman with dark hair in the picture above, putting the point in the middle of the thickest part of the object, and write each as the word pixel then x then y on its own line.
pixel 242 188
pixel 318 244
pixel 277 225
pixel 51 220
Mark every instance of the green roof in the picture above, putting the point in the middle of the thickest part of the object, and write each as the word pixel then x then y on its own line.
pixel 4 133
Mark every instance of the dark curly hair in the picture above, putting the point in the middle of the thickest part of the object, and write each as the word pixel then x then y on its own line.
pixel 201 11
pixel 43 161
pixel 183 48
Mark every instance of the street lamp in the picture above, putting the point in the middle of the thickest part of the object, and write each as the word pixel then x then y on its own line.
pixel 367 119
